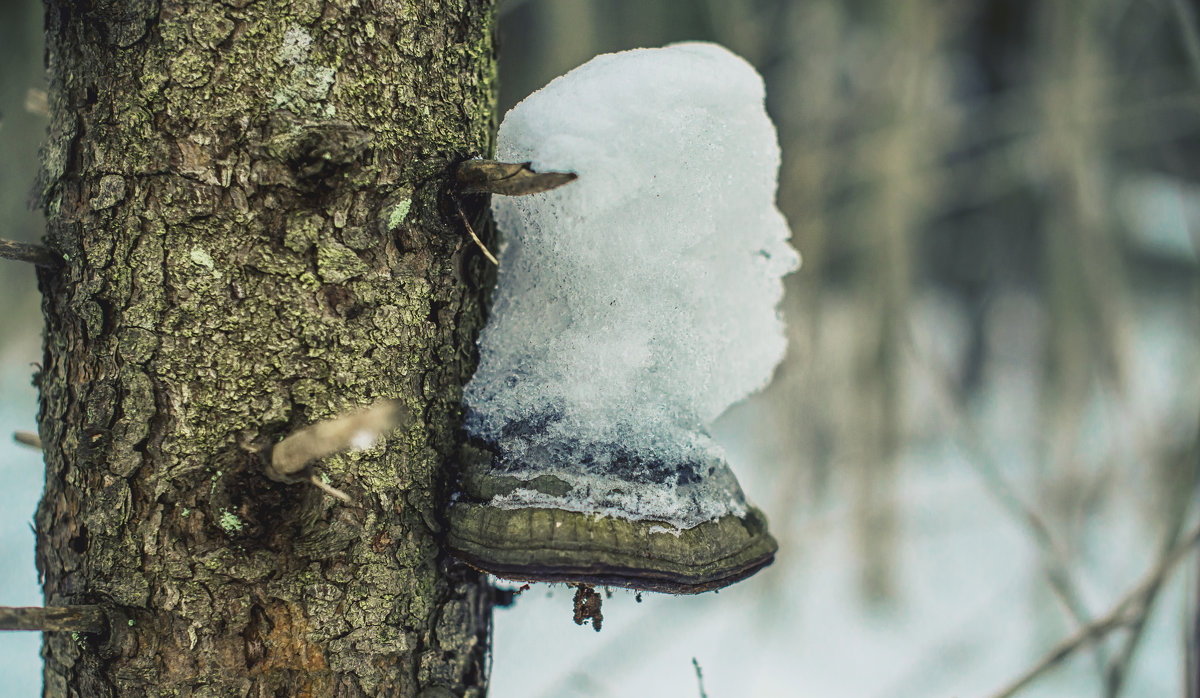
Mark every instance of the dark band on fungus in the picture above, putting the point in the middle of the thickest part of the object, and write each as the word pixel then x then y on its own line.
pixel 553 545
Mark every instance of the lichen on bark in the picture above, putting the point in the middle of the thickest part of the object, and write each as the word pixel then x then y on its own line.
pixel 225 182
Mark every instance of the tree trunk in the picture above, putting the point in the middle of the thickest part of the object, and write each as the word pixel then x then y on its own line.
pixel 252 201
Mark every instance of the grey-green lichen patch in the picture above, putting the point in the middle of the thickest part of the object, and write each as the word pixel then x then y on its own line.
pixel 229 522
pixel 200 256
pixel 337 263
pixel 294 49
pixel 110 192
pixel 308 281
pixel 305 87
pixel 398 213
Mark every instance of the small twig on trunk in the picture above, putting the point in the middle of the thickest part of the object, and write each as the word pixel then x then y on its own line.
pixel 82 619
pixel 475 237
pixel 1127 611
pixel 329 489
pixel 25 252
pixel 28 438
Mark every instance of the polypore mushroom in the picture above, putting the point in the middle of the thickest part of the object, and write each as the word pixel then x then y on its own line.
pixel 633 306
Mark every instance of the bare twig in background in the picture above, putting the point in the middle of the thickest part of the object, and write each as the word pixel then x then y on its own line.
pixel 1191 630
pixel 1129 610
pixel 506 6
pixel 36 102
pixel 1186 469
pixel 1189 31
pixel 83 619
pixel 1053 560
pixel 699 678
pixel 25 252
pixel 28 438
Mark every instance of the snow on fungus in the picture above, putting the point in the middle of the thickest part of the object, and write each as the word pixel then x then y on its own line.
pixel 632 307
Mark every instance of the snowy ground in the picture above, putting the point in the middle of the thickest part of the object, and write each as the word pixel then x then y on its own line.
pixel 971 609
pixel 972 617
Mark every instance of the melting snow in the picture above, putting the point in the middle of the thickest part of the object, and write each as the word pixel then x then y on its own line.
pixel 637 303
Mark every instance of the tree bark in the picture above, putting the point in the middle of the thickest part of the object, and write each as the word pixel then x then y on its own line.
pixel 251 199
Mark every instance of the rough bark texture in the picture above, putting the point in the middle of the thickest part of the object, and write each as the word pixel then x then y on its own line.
pixel 250 197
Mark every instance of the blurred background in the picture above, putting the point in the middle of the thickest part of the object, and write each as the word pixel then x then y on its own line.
pixel 984 439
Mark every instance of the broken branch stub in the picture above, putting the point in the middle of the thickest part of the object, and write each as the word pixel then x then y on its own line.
pixel 28 438
pixel 83 619
pixel 508 179
pixel 353 431
pixel 24 252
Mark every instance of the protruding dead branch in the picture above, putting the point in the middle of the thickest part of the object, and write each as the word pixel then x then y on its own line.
pixel 290 459
pixel 509 179
pixel 486 253
pixel 1127 611
pixel 28 438
pixel 25 252
pixel 82 619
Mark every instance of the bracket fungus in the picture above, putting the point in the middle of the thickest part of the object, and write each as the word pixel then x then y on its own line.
pixel 632 307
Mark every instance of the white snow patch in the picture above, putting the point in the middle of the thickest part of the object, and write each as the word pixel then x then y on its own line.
pixel 666 529
pixel 364 439
pixel 637 303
